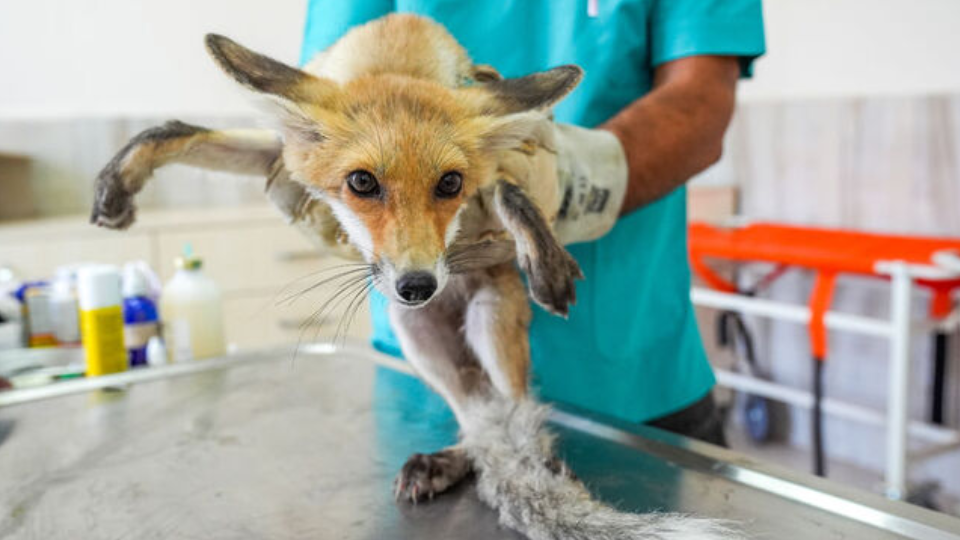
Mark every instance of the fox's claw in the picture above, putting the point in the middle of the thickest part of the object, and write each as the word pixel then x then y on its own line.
pixel 126 173
pixel 113 203
pixel 551 270
pixel 551 275
pixel 425 475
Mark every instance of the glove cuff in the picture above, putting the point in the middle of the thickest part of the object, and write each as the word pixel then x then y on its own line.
pixel 592 172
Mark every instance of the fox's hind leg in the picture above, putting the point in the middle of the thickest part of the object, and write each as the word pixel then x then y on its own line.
pixel 431 341
pixel 497 330
pixel 497 326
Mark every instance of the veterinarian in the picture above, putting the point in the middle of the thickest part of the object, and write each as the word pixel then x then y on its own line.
pixel 661 75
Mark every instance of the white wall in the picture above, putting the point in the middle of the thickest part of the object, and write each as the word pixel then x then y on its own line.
pixel 145 58
pixel 84 58
pixel 829 48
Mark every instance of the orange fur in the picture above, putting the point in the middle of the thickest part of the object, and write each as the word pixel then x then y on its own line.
pixel 400 99
pixel 408 132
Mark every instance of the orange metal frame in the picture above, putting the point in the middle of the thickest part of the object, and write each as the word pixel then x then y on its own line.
pixel 828 252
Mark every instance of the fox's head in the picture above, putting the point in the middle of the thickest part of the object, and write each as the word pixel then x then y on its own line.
pixel 396 157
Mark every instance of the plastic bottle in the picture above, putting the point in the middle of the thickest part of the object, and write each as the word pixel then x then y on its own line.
pixel 11 311
pixel 101 317
pixel 192 312
pixel 156 352
pixel 35 297
pixel 139 314
pixel 64 310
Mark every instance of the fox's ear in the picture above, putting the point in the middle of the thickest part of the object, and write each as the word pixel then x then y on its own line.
pixel 514 131
pixel 295 91
pixel 266 75
pixel 537 91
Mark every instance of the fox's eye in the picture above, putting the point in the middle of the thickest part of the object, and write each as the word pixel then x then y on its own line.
pixel 449 185
pixel 363 184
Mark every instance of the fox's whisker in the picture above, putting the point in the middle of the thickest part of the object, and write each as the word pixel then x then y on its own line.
pixel 320 313
pixel 324 271
pixel 334 300
pixel 346 299
pixel 311 275
pixel 469 265
pixel 479 251
pixel 363 300
pixel 475 258
pixel 346 319
pixel 312 319
pixel 345 274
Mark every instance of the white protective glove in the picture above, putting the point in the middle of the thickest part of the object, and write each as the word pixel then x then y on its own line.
pixel 591 182
pixel 576 176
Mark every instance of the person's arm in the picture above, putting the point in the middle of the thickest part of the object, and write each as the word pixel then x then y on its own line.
pixel 676 130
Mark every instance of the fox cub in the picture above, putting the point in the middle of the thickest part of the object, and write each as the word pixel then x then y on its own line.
pixel 426 164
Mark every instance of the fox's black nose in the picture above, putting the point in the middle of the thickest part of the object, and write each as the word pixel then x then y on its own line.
pixel 416 287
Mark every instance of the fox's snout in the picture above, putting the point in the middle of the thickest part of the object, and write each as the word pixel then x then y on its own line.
pixel 415 288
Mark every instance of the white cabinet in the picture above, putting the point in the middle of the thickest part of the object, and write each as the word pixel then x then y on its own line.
pixel 255 258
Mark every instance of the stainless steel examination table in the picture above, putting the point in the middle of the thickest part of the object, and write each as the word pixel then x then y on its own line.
pixel 276 447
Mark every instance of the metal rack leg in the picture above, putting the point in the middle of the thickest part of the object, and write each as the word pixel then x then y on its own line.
pixel 899 382
pixel 819 462
pixel 938 404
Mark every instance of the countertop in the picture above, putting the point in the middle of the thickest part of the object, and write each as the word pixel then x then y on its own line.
pixel 276 445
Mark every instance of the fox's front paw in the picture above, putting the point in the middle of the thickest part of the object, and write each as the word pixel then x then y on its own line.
pixel 425 475
pixel 551 274
pixel 113 207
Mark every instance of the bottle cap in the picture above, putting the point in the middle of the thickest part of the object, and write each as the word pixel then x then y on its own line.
pixel 64 283
pixel 188 261
pixel 135 283
pixel 98 286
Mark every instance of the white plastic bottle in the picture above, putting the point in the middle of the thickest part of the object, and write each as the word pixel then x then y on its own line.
pixel 191 312
pixel 64 310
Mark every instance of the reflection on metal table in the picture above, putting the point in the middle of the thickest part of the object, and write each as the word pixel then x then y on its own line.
pixel 272 446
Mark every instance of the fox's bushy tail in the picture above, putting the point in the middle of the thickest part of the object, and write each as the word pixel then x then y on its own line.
pixel 512 454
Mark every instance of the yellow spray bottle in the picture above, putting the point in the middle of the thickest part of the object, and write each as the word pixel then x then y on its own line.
pixel 101 319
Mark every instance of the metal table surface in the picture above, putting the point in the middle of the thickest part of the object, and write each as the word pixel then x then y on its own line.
pixel 264 446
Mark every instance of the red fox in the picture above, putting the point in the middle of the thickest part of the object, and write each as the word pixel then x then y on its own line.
pixel 439 174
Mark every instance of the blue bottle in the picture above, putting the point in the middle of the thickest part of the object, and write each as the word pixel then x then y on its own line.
pixel 140 319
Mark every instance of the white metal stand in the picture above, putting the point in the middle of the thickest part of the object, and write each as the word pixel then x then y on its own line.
pixel 898 382
pixel 897 329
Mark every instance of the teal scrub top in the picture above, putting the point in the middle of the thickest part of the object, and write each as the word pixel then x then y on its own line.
pixel 630 348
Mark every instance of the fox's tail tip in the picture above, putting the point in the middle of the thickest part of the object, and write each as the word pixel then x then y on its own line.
pixel 512 453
